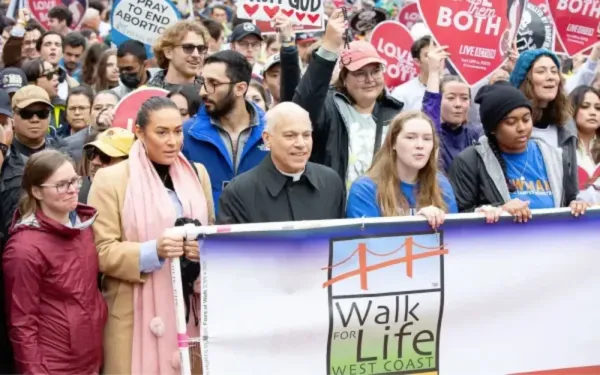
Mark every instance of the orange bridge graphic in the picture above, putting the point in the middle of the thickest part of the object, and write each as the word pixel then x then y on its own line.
pixel 363 268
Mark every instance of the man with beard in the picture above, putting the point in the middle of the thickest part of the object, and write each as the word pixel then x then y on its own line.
pixel 73 49
pixel 180 53
pixel 226 134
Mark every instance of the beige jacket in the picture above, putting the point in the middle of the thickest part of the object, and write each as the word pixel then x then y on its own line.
pixel 120 262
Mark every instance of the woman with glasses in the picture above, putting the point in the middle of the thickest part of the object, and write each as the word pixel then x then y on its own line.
pixel 56 313
pixel 79 105
pixel 137 201
pixel 107 71
pixel 103 150
pixel 351 119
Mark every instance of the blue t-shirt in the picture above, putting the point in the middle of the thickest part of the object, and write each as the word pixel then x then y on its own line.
pixel 362 199
pixel 527 173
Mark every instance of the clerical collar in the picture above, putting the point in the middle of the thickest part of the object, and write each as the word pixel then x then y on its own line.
pixel 295 176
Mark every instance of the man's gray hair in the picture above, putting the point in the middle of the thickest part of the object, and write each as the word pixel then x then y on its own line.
pixel 286 111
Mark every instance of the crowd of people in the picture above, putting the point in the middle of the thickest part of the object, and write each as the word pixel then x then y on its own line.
pixel 258 129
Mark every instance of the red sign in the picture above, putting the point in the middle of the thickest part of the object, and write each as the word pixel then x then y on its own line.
pixel 39 10
pixel 409 15
pixel 127 109
pixel 576 23
pixel 393 41
pixel 266 27
pixel 478 33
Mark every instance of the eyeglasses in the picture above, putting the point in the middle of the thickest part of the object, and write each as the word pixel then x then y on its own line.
pixel 211 87
pixel 27 114
pixel 189 48
pixel 80 109
pixel 254 45
pixel 49 75
pixel 91 153
pixel 64 186
pixel 3 149
pixel 361 75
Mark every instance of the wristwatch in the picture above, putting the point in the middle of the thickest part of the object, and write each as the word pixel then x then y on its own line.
pixel 289 40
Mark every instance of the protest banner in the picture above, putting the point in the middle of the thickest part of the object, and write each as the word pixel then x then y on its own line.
pixel 391 296
pixel 39 10
pixel 267 28
pixel 393 41
pixel 141 20
pixel 304 12
pixel 478 33
pixel 576 23
pixel 128 107
pixel 409 15
pixel 536 29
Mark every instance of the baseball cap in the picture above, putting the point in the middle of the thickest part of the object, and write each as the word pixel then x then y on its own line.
pixel 243 30
pixel 5 108
pixel 12 79
pixel 306 37
pixel 114 142
pixel 271 62
pixel 359 54
pixel 29 95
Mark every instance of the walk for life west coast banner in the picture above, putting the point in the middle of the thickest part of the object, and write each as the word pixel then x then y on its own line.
pixel 390 296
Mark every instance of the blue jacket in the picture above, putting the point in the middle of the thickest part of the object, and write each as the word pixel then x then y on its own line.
pixel 202 143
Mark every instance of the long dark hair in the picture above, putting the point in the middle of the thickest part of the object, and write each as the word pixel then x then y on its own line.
pixel 191 95
pixel 90 60
pixel 576 99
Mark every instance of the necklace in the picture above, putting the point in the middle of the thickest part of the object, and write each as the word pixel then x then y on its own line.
pixel 522 178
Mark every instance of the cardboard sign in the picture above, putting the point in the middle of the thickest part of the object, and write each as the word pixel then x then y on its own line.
pixel 304 12
pixel 576 23
pixel 409 15
pixel 478 33
pixel 39 10
pixel 141 20
pixel 393 41
pixel 128 107
pixel 536 29
pixel 266 27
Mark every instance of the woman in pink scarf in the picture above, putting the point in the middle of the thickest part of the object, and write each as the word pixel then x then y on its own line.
pixel 137 200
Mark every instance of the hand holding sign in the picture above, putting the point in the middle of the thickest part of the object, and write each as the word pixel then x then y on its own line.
pixel 284 25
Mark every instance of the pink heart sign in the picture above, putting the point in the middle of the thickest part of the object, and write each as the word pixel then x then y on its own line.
pixel 478 33
pixel 576 23
pixel 393 41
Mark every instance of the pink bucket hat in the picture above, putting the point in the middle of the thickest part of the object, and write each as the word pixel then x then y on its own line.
pixel 359 54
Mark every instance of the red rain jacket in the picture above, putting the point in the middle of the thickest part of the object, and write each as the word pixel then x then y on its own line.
pixel 56 314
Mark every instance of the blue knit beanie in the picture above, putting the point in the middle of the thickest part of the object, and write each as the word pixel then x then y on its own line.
pixel 525 62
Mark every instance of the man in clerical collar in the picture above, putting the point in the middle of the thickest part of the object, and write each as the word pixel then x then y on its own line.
pixel 285 186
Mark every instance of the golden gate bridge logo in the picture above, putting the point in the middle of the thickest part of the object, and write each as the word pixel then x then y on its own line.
pixel 363 268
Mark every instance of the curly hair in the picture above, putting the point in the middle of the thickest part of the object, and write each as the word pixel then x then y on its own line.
pixel 172 36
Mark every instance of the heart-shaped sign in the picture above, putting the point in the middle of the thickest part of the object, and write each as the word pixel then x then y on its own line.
pixel 409 15
pixel 39 10
pixel 576 22
pixel 478 33
pixel 393 41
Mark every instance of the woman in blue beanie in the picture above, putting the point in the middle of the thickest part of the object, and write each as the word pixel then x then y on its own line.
pixel 537 74
pixel 508 171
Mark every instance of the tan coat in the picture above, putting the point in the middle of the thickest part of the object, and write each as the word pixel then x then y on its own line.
pixel 120 261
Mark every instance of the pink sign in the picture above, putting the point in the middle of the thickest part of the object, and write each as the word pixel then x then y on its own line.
pixel 393 41
pixel 39 10
pixel 409 15
pixel 576 23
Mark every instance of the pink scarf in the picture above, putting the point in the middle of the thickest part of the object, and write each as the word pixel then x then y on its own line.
pixel 147 212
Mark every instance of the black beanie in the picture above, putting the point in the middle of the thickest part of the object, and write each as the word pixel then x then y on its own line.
pixel 496 101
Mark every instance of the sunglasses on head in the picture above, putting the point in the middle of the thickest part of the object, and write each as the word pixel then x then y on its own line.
pixel 91 153
pixel 27 114
pixel 189 48
pixel 3 149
